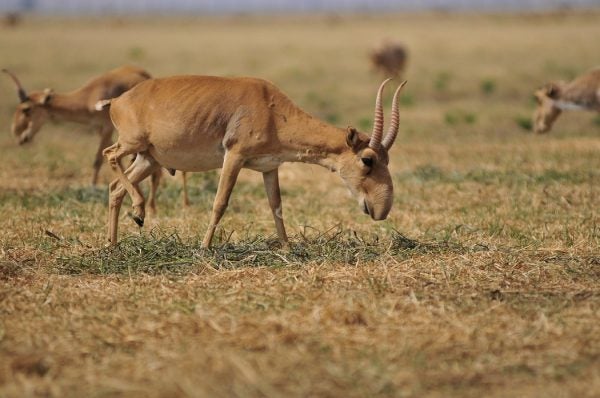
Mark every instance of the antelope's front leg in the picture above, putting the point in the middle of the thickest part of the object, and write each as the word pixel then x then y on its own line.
pixel 232 165
pixel 271 180
pixel 105 142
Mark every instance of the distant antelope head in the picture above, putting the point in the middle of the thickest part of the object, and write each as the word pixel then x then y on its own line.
pixel 31 113
pixel 546 112
pixel 364 168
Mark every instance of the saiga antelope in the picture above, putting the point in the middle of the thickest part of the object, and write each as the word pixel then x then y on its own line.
pixel 583 93
pixel 35 108
pixel 389 58
pixel 200 123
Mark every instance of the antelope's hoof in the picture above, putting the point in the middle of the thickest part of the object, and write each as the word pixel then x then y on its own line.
pixel 138 220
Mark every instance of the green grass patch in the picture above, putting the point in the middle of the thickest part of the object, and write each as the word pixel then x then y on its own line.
pixel 487 87
pixel 524 122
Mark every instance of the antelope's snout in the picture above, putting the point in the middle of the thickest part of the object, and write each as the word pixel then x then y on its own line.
pixel 23 132
pixel 377 207
pixel 24 139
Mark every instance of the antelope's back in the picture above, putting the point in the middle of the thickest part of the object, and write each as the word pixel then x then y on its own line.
pixel 114 83
pixel 193 103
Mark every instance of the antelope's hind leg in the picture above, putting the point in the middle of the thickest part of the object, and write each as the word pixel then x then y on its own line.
pixel 141 168
pixel 114 153
pixel 155 183
pixel 105 133
pixel 186 199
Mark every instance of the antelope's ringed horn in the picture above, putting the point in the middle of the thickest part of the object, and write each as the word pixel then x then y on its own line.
pixel 375 141
pixel 392 132
pixel 20 90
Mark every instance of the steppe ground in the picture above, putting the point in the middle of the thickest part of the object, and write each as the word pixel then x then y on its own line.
pixel 484 280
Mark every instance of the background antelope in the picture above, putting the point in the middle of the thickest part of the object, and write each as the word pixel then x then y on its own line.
pixel 208 122
pixel 583 93
pixel 36 107
pixel 389 58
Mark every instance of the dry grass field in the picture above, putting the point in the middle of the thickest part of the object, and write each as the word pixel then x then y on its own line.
pixel 484 280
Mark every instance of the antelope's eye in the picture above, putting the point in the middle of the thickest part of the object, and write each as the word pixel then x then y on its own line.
pixel 367 161
pixel 26 111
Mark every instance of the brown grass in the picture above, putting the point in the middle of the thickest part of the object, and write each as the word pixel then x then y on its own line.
pixel 483 281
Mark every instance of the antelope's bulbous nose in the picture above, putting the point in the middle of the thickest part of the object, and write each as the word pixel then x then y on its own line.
pixel 377 212
pixel 380 215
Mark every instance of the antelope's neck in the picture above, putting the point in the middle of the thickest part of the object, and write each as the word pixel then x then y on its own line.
pixel 307 139
pixel 69 107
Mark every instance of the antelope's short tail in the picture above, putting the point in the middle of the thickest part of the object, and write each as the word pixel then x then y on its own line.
pixel 102 104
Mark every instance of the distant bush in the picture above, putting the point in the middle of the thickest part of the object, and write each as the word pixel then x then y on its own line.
pixel 137 53
pixel 332 118
pixel 454 117
pixel 365 124
pixel 524 122
pixel 487 86
pixel 407 99
pixel 442 81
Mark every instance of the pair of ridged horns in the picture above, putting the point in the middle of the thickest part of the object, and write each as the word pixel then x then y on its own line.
pixel 376 137
pixel 20 90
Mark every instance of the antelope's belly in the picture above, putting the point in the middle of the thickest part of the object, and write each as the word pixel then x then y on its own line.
pixel 190 159
pixel 263 163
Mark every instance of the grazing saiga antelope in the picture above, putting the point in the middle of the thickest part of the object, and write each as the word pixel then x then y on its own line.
pixel 35 108
pixel 390 58
pixel 583 93
pixel 200 123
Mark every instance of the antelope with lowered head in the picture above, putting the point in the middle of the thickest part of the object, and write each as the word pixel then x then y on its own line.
pixel 199 123
pixel 36 107
pixel 389 58
pixel 583 93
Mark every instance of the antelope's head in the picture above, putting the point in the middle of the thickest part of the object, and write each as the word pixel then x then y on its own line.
pixel 31 112
pixel 546 111
pixel 364 167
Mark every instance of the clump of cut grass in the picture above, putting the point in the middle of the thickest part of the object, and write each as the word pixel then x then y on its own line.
pixel 161 253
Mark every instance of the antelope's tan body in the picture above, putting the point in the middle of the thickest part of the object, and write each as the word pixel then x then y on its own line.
pixel 199 123
pixel 390 59
pixel 582 93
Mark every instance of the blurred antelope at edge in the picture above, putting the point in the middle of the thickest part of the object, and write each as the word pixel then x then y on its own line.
pixel 390 59
pixel 36 107
pixel 200 123
pixel 583 93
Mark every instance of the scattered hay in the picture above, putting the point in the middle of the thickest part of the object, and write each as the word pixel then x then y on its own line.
pixel 158 252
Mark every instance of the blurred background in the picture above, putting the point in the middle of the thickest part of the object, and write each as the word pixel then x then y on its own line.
pixel 254 6
pixel 472 67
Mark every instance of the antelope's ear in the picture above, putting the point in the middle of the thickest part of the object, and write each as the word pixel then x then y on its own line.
pixel 553 90
pixel 47 96
pixel 352 137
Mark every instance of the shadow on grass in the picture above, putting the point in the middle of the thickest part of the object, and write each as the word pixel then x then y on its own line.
pixel 158 253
